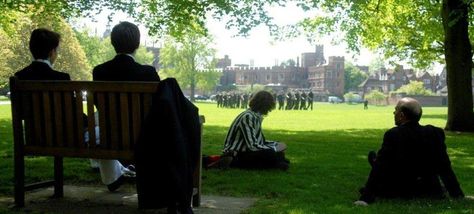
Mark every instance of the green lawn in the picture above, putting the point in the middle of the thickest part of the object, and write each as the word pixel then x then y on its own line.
pixel 327 148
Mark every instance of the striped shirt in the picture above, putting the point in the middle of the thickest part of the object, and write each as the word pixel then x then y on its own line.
pixel 245 134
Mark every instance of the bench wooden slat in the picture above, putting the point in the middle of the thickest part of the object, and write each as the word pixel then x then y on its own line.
pixel 136 117
pixel 96 86
pixel 125 129
pixel 69 119
pixel 91 123
pixel 79 122
pixel 114 123
pixel 48 121
pixel 38 127
pixel 96 153
pixel 102 119
pixel 147 99
pixel 58 118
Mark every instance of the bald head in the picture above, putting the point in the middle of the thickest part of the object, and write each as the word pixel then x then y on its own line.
pixel 410 109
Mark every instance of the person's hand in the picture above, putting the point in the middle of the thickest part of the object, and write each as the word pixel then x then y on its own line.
pixel 361 203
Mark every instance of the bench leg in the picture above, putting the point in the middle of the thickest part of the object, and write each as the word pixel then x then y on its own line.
pixel 58 177
pixel 19 180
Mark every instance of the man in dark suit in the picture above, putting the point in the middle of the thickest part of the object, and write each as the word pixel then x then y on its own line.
pixel 44 48
pixel 125 38
pixel 412 160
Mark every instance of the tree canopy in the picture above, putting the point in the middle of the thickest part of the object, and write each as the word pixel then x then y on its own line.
pixel 189 60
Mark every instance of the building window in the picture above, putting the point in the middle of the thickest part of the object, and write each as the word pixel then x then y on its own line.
pixel 427 81
pixel 281 76
pixel 268 77
pixel 337 83
pixel 337 73
pixel 245 77
pixel 392 87
pixel 319 84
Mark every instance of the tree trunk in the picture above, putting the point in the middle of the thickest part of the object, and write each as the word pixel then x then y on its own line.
pixel 458 56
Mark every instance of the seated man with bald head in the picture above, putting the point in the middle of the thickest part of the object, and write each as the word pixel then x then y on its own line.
pixel 412 160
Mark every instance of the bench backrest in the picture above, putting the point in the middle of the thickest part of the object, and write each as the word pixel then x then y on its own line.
pixel 48 120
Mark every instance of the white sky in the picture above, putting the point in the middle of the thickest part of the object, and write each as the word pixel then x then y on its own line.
pixel 259 46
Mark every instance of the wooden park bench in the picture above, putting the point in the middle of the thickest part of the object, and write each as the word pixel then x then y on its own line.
pixel 47 119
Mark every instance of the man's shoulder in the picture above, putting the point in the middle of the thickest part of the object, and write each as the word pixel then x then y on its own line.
pixel 41 71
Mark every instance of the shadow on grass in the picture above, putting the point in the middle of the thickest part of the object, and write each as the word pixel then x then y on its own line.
pixel 327 168
pixel 435 116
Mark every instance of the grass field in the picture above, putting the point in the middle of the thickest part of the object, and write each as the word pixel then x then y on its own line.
pixel 327 148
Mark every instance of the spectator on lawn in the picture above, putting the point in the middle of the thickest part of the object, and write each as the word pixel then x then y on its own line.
pixel 125 38
pixel 245 146
pixel 412 160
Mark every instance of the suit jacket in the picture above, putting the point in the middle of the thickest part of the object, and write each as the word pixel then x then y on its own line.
pixel 167 151
pixel 410 163
pixel 124 68
pixel 40 71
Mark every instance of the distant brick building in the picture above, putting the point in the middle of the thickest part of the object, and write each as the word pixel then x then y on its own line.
pixel 328 79
pixel 293 76
pixel 392 79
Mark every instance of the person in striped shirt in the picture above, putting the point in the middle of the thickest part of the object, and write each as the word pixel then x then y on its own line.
pixel 245 143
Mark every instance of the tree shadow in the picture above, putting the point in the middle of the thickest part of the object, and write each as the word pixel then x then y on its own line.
pixel 327 169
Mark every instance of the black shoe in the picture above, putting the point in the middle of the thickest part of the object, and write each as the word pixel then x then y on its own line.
pixel 116 184
pixel 223 163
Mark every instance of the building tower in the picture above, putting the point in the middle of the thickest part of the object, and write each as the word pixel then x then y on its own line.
pixel 320 55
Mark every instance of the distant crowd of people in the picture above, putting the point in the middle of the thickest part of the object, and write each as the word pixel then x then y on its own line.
pixel 291 100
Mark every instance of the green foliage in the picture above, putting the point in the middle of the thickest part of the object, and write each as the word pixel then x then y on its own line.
pixel 400 29
pixel 208 79
pixel 183 59
pixel 170 17
pixel 350 97
pixel 353 77
pixel 414 88
pixel 15 46
pixel 376 97
pixel 376 64
pixel 98 50
pixel 143 56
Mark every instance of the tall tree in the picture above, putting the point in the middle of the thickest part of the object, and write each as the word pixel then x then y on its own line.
pixel 71 58
pixel 208 79
pixel 353 77
pixel 420 31
pixel 183 58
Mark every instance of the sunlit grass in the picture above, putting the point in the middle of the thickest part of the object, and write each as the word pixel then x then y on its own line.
pixel 327 149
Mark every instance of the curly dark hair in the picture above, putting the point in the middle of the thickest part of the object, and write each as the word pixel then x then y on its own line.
pixel 262 102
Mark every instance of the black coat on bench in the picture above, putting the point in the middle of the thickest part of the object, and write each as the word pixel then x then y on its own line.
pixel 167 151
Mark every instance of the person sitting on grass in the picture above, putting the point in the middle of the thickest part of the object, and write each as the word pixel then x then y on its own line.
pixel 411 162
pixel 245 145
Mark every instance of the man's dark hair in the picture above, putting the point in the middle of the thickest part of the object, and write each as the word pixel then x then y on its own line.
pixel 125 37
pixel 262 102
pixel 42 42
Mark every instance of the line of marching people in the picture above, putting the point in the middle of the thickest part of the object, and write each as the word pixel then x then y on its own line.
pixel 295 100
